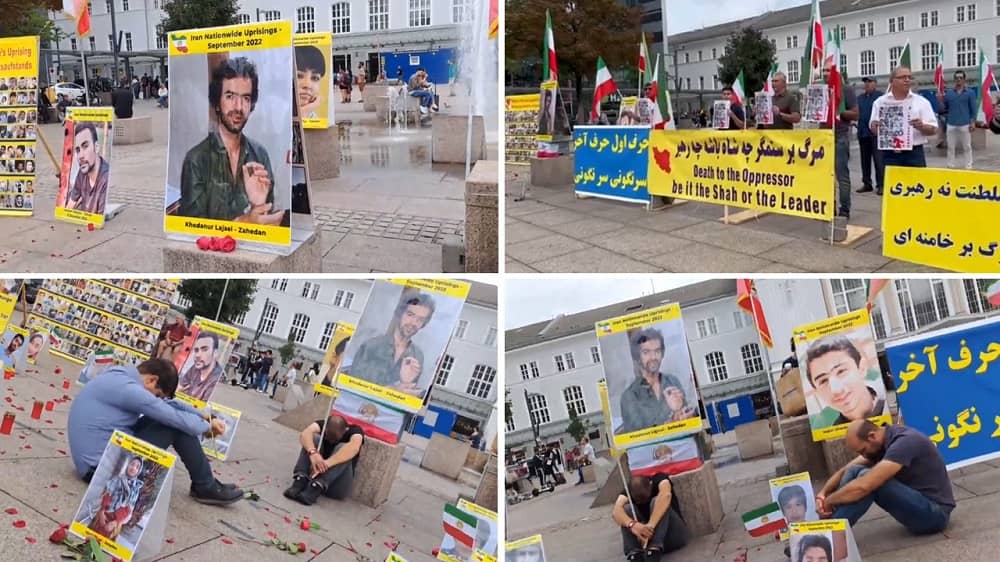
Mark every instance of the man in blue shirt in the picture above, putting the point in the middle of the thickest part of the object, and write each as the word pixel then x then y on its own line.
pixel 134 400
pixel 960 109
pixel 866 141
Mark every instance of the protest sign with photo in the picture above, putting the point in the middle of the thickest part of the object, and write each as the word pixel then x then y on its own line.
pixel 720 114
pixel 123 495
pixel 610 162
pixel 18 124
pixel 342 333
pixel 946 387
pixel 202 358
pixel 417 315
pixel 602 390
pixel 763 103
pixel 894 129
pixel 377 420
pixel 85 173
pixel 13 345
pixel 627 114
pixel 647 112
pixel 313 79
pixel 830 539
pixel 521 127
pixel 816 108
pixel 647 366
pixel 784 172
pixel 233 83
pixel 664 457
pixel 486 546
pixel 529 549
pixel 942 218
pixel 38 342
pixel 470 534
pixel 794 496
pixel 7 303
pixel 218 447
pixel 547 110
pixel 840 374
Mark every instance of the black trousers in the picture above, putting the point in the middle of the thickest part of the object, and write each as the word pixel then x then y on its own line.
pixel 670 534
pixel 336 481
pixel 870 155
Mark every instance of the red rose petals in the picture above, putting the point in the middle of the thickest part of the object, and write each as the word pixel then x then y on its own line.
pixel 10 511
pixel 227 540
pixel 20 524
pixel 30 540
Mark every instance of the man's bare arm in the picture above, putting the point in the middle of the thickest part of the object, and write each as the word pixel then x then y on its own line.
pixel 307 435
pixel 618 512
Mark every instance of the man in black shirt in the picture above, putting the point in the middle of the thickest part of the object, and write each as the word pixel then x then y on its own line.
pixel 898 468
pixel 652 524
pixel 326 462
pixel 121 99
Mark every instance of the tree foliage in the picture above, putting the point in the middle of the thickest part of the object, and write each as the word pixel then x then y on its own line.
pixel 577 428
pixel 582 30
pixel 287 351
pixel 204 295
pixel 193 14
pixel 748 50
pixel 19 18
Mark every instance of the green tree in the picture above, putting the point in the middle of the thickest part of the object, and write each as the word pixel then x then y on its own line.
pixel 287 351
pixel 748 50
pixel 577 427
pixel 205 294
pixel 193 14
pixel 19 18
pixel 583 31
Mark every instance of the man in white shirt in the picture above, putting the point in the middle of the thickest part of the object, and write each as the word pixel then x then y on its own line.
pixel 586 457
pixel 922 119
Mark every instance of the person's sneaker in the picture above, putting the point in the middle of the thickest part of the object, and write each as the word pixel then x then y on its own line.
pixel 312 493
pixel 865 189
pixel 635 556
pixel 298 484
pixel 654 554
pixel 844 214
pixel 434 107
pixel 217 494
pixel 423 110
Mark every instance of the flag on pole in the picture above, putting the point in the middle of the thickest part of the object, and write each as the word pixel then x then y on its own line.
pixel 987 80
pixel 875 286
pixel 104 357
pixel 643 62
pixel 764 520
pixel 746 298
pixel 550 69
pixel 939 70
pixel 904 57
pixel 77 9
pixel 739 90
pixel 604 86
pixel 768 87
pixel 993 294
pixel 494 18
pixel 812 59
pixel 836 82
pixel 661 95
pixel 460 525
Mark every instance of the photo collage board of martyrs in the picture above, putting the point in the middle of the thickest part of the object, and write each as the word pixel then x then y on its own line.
pixel 234 83
pixel 423 314
pixel 720 114
pixel 342 333
pixel 470 534
pixel 763 103
pixel 202 358
pixel 314 79
pixel 816 108
pixel 647 365
pixel 85 172
pixel 124 495
pixel 520 128
pixel 894 130
pixel 942 218
pixel 948 387
pixel 795 498
pixel 218 447
pixel 115 321
pixel 829 539
pixel 841 377
pixel 528 548
pixel 611 162
pixel 18 124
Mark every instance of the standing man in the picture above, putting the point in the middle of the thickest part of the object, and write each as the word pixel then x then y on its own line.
pixel 842 148
pixel 586 457
pixel 264 372
pixel 922 120
pixel 204 372
pixel 90 187
pixel 960 108
pixel 737 115
pixel 866 141
pixel 785 105
pixel 382 359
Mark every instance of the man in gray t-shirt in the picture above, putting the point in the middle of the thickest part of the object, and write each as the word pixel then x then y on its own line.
pixel 900 469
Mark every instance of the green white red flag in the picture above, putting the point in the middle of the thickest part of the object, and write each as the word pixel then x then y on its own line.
pixel 739 90
pixel 764 520
pixel 550 68
pixel 987 81
pixel 643 62
pixel 939 70
pixel 460 525
pixel 768 86
pixel 604 86
pixel 836 82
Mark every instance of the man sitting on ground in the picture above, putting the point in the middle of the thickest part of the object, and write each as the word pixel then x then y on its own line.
pixel 419 87
pixel 139 401
pixel 326 468
pixel 900 469
pixel 655 526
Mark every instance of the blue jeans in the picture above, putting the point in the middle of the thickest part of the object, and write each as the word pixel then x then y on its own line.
pixel 869 156
pixel 915 511
pixel 905 158
pixel 426 97
pixel 842 153
pixel 261 381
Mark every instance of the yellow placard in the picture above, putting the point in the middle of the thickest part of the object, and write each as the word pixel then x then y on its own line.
pixel 393 557
pixel 480 556
pixel 94 114
pixel 942 218
pixel 234 414
pixel 790 479
pixel 638 319
pixel 840 431
pixel 689 425
pixel 602 390
pixel 406 401
pixel 106 544
pixel 314 113
pixel 514 545
pixel 266 35
pixel 19 56
pixel 325 390
pixel 809 332
pixel 341 332
pixel 522 102
pixel 19 75
pixel 7 303
pixel 264 233
pixel 224 330
pixel 103 149
pixel 552 87
pixel 805 527
pixel 784 172
pixel 447 287
pixel 477 510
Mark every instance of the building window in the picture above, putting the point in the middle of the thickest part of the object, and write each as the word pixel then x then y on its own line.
pixel 700 55
pixel 324 340
pixel 310 290
pixel 788 42
pixel 447 362
pixel 795 41
pixel 738 319
pixel 793 71
pixel 573 396
pixel 896 24
pixel 510 419
pixel 998 8
pixel 481 382
pixel 460 329
pixel 491 337
pixel 707 328
pixel 687 58
pixel 998 46
pixel 565 362
pixel 161 37
pixel 715 52
pixel 843 64
pixel 560 364
pixel 848 295
pixel 461 11
pixel 279 284
pixel 929 19
pixel 595 354
pixel 243 18
pixel 108 6
pixel 894 54
pixel 239 320
pixel 90 8
pixel 420 13
pixel 93 43
pixel 124 5
pixel 715 81
pixel 752 361
pixel 271 15
pixel 306 18
pixel 929 56
pixel 378 15
pixel 774 44
pixel 343 299
pixel 701 82
pixel 716 364
pixel 843 32
pixel 922 301
pixel 867 63
pixel 570 361
pixel 535 373
pixel 867 29
pixel 538 409
pixel 300 323
pixel 268 318
pixel 688 80
pixel 524 371
pixel 72 43
pixel 966 49
pixel 964 13
pixel 975 293
pixel 340 17
pixel 111 42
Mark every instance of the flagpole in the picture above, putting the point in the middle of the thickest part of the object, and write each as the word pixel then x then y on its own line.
pixel 767 358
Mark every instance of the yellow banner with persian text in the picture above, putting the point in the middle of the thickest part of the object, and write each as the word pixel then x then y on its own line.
pixel 267 35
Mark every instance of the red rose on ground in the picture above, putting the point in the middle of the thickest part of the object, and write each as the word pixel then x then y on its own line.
pixel 302 547
pixel 304 524
pixel 228 244
pixel 216 244
pixel 90 226
pixel 58 536
pixel 204 243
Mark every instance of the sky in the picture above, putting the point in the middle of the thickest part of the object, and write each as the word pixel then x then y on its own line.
pixel 686 15
pixel 532 300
